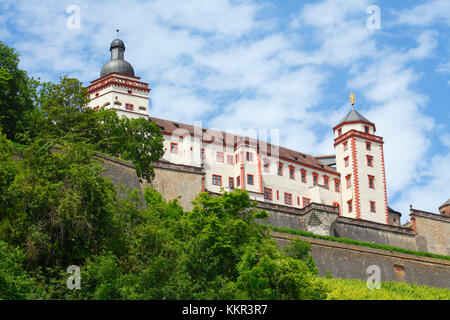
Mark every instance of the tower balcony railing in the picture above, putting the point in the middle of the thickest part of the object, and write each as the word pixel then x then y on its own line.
pixel 358 134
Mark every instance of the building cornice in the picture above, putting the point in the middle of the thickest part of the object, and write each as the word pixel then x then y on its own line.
pixel 358 134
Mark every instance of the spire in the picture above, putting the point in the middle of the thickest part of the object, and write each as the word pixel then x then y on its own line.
pixel 352 116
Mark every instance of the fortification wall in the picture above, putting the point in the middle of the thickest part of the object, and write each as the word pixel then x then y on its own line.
pixel 177 181
pixel 121 173
pixel 315 218
pixel 351 261
pixel 433 231
pixel 363 230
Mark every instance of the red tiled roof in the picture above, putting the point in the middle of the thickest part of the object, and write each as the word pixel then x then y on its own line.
pixel 232 140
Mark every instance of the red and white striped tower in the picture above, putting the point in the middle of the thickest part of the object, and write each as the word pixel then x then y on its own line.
pixel 360 161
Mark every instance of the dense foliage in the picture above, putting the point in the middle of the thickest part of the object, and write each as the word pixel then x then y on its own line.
pixel 58 210
pixel 16 93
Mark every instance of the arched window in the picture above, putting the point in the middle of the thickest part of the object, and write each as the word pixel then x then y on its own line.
pixel 335 204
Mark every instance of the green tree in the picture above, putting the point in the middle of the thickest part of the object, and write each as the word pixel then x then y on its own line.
pixel 17 91
pixel 60 208
pixel 65 114
pixel 265 273
pixel 15 282
pixel 137 140
pixel 300 249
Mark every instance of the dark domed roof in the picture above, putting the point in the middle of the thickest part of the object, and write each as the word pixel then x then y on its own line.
pixel 117 43
pixel 117 64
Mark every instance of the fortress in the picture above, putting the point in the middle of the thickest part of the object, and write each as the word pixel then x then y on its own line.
pixel 342 195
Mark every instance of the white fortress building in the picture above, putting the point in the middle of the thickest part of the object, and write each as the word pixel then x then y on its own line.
pixel 353 180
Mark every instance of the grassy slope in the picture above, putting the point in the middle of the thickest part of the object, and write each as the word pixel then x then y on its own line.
pixel 346 289
pixel 359 243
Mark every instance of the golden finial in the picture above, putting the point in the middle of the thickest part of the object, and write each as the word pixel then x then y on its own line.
pixel 352 99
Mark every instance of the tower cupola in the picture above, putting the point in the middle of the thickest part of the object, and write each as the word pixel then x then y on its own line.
pixel 117 64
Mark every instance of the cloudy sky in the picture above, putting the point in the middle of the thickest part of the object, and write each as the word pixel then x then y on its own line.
pixel 287 65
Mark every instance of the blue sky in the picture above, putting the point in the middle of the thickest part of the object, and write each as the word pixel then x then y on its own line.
pixel 287 65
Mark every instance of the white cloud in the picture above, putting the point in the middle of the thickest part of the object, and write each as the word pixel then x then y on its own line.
pixel 443 68
pixel 215 17
pixel 433 190
pixel 426 14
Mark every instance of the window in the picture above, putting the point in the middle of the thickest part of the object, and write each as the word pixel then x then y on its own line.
pixel 174 147
pixel 371 182
pixel 336 205
pixel 336 185
pixel 368 146
pixel 325 182
pixel 369 161
pixel 366 129
pixel 230 159
pixel 339 132
pixel 129 106
pixel 345 146
pixel 315 178
pixel 231 182
pixel 292 172
pixel 303 171
pixel 278 195
pixel 349 181
pixel 266 165
pixel 237 158
pixel 202 153
pixel 349 204
pixel 280 169
pixel 250 179
pixel 216 180
pixel 238 181
pixel 219 156
pixel 288 198
pixel 249 156
pixel 298 201
pixel 306 201
pixel 346 162
pixel 267 193
pixel 372 206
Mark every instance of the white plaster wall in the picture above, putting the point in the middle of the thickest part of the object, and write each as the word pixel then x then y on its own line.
pixel 367 194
